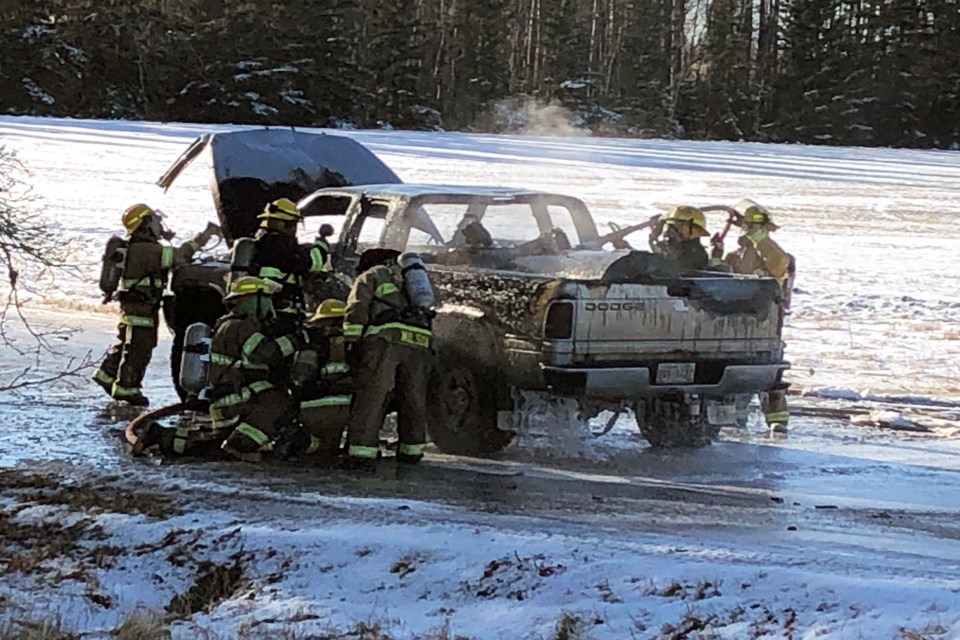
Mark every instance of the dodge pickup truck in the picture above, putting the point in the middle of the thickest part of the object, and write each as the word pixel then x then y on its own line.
pixel 531 296
pixel 529 299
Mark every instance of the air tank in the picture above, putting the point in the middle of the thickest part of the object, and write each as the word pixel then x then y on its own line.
pixel 242 255
pixel 111 267
pixel 306 363
pixel 416 281
pixel 196 358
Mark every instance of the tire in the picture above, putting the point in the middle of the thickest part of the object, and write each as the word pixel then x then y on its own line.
pixel 191 305
pixel 463 407
pixel 668 423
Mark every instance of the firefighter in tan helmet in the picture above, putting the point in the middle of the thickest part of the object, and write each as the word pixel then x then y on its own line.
pixel 677 235
pixel 139 264
pixel 759 254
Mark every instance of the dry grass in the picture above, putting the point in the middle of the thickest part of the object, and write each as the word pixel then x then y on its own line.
pixel 214 584
pixel 143 624
pixel 146 624
pixel 48 489
pixel 42 628
pixel 46 547
pixel 569 627
pixel 933 631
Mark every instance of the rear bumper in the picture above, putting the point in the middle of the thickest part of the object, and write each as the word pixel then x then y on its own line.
pixel 635 382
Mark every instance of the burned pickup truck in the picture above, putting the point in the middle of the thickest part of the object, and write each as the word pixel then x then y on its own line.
pixel 529 299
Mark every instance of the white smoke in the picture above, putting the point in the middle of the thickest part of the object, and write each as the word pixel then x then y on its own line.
pixel 527 115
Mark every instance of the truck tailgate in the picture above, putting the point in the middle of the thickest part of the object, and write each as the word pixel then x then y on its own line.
pixel 734 318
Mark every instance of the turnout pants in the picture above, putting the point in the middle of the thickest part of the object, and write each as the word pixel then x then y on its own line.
pixel 384 367
pixel 774 407
pixel 323 421
pixel 254 422
pixel 122 370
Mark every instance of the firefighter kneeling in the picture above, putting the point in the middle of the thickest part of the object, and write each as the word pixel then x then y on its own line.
pixel 248 369
pixel 321 382
pixel 244 380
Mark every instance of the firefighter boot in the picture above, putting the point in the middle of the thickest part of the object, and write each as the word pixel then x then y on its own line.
pixel 361 464
pixel 409 458
pixel 151 436
pixel 136 400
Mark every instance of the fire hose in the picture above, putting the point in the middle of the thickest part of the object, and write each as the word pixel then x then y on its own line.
pixel 136 427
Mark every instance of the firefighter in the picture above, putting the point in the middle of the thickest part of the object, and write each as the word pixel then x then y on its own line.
pixel 249 365
pixel 143 278
pixel 388 327
pixel 244 383
pixel 322 386
pixel 759 254
pixel 278 256
pixel 677 238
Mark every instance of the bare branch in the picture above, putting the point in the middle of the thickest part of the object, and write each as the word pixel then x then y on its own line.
pixel 31 251
pixel 74 367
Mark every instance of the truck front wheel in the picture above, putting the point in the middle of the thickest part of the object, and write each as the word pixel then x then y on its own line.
pixel 463 408
pixel 674 422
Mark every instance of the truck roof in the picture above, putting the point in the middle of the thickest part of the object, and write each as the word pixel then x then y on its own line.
pixel 446 191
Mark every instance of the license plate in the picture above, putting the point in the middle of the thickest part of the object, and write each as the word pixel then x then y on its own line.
pixel 675 372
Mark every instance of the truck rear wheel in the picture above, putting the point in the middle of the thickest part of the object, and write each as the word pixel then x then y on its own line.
pixel 463 407
pixel 674 423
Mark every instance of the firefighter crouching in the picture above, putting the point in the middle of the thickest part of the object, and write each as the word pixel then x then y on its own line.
pixel 320 379
pixel 134 271
pixel 249 365
pixel 273 253
pixel 761 255
pixel 388 325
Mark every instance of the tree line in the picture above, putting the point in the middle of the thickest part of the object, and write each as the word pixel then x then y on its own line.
pixel 870 72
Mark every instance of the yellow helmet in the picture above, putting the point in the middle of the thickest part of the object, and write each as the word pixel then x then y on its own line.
pixel 693 215
pixel 134 215
pixel 330 308
pixel 754 213
pixel 283 209
pixel 249 285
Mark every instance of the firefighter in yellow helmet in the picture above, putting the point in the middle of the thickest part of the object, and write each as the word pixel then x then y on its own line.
pixel 322 385
pixel 245 382
pixel 677 238
pixel 759 254
pixel 390 334
pixel 249 366
pixel 143 271
pixel 278 256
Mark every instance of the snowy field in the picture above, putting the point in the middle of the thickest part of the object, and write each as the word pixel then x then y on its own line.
pixel 836 531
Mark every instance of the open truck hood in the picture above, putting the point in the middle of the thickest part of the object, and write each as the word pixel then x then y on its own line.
pixel 256 166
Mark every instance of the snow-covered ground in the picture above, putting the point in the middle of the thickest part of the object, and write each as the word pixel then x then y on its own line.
pixel 836 531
